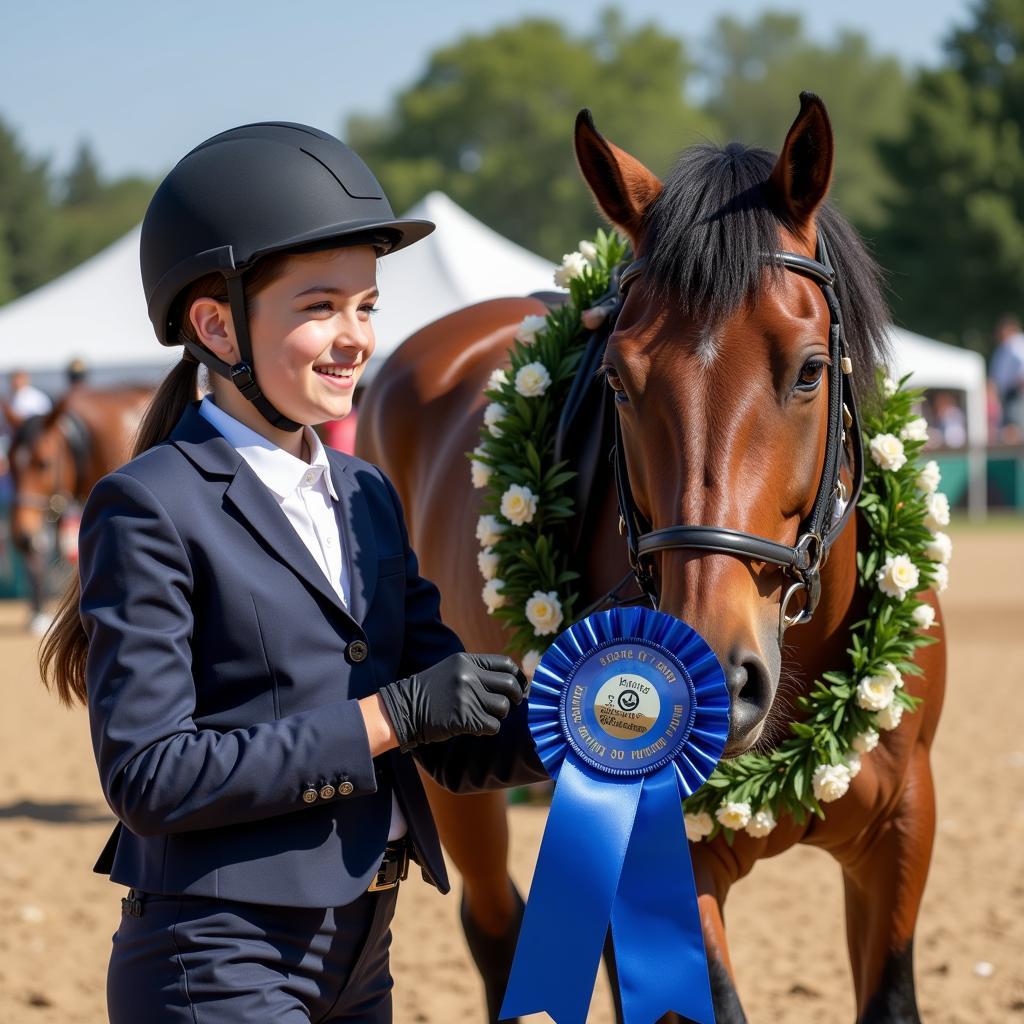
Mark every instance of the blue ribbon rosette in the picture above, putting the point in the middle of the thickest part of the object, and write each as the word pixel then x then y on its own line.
pixel 630 713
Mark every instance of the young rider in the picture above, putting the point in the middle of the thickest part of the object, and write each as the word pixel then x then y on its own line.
pixel 257 648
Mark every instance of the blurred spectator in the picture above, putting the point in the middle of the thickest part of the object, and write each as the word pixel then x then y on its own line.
pixel 77 371
pixel 948 421
pixel 22 402
pixel 1007 372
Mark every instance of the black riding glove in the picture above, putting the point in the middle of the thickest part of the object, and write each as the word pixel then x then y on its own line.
pixel 464 694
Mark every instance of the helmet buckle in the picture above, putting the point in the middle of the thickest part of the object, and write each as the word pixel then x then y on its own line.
pixel 245 380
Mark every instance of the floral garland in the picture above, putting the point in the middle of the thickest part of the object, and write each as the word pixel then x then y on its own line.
pixel 903 555
pixel 526 505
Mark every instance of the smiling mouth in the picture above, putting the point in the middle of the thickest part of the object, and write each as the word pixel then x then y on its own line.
pixel 338 372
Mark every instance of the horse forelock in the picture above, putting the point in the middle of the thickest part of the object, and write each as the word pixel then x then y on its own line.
pixel 705 237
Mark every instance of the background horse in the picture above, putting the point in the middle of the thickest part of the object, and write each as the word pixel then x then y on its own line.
pixel 57 458
pixel 718 361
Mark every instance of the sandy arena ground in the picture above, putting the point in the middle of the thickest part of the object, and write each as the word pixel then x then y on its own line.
pixel 785 921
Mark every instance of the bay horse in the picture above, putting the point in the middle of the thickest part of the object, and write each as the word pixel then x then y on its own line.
pixel 718 361
pixel 56 459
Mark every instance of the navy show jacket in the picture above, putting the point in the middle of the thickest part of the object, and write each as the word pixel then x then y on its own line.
pixel 223 676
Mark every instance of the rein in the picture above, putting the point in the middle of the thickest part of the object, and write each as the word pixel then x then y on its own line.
pixel 832 509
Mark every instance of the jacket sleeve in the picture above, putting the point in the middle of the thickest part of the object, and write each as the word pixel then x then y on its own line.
pixel 161 773
pixel 465 764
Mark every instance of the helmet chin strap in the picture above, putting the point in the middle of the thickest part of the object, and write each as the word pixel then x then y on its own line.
pixel 243 373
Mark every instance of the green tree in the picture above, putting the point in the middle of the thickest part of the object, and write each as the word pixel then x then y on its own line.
pixel 490 123
pixel 755 72
pixel 27 229
pixel 954 241
pixel 82 184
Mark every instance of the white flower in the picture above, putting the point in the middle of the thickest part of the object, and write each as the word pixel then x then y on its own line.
pixel 487 563
pixel 937 506
pixel 492 595
pixel 929 478
pixel 530 661
pixel 853 765
pixel 887 451
pixel 898 576
pixel 923 616
pixel 915 430
pixel 532 380
pixel 939 548
pixel 497 380
pixel 530 327
pixel 830 781
pixel 488 530
pixel 573 265
pixel 733 815
pixel 888 718
pixel 892 673
pixel 889 387
pixel 698 826
pixel 519 504
pixel 588 251
pixel 866 741
pixel 940 578
pixel 493 415
pixel 761 823
pixel 479 471
pixel 875 692
pixel 544 612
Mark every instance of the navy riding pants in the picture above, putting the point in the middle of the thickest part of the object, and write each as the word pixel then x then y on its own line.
pixel 193 960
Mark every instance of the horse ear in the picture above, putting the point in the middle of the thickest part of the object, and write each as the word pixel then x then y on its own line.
pixel 623 187
pixel 803 171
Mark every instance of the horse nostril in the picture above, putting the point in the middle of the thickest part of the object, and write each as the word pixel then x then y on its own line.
pixel 750 689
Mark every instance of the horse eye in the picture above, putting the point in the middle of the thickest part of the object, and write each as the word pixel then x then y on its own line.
pixel 810 375
pixel 614 382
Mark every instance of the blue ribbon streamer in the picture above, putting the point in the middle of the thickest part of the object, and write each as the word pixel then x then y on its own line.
pixel 615 853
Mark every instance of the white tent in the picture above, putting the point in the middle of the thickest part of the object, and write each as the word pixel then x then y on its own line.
pixel 936 365
pixel 97 311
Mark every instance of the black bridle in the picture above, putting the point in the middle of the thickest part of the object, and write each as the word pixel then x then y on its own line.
pixel 832 508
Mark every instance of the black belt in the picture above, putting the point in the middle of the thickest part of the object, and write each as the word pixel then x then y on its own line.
pixel 394 868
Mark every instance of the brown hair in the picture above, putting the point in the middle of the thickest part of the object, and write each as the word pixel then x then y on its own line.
pixel 62 654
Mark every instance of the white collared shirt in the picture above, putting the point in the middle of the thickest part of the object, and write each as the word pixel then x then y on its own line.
pixel 306 495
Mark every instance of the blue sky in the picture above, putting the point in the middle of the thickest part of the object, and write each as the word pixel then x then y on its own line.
pixel 145 81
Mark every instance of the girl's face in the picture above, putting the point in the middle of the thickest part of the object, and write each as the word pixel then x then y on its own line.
pixel 311 337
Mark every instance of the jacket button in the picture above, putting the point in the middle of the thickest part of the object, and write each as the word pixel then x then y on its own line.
pixel 346 789
pixel 310 795
pixel 326 791
pixel 358 651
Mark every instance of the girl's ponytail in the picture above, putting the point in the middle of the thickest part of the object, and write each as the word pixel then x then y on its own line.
pixel 63 650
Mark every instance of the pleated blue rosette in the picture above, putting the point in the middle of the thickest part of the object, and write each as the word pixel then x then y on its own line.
pixel 629 713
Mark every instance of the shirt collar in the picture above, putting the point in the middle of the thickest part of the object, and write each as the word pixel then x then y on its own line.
pixel 279 470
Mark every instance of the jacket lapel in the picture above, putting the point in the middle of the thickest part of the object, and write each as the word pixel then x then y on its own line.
pixel 254 504
pixel 355 526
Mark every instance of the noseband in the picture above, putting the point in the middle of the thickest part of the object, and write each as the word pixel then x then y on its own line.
pixel 801 561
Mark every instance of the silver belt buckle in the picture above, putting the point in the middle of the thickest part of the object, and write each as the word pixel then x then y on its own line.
pixel 394 868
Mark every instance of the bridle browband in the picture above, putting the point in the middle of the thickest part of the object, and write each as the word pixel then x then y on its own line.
pixel 832 508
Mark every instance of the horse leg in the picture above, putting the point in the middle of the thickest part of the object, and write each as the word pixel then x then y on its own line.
pixel 474 831
pixel 884 883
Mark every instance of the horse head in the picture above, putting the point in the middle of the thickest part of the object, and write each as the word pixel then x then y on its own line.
pixel 47 468
pixel 719 361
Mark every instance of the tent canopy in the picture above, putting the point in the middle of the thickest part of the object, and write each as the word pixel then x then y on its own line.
pixel 97 311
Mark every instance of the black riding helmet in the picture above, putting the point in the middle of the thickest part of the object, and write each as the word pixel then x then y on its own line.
pixel 249 192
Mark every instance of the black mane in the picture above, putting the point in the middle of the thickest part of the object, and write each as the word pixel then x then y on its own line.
pixel 708 230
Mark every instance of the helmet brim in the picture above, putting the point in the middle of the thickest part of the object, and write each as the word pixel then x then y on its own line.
pixel 398 232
